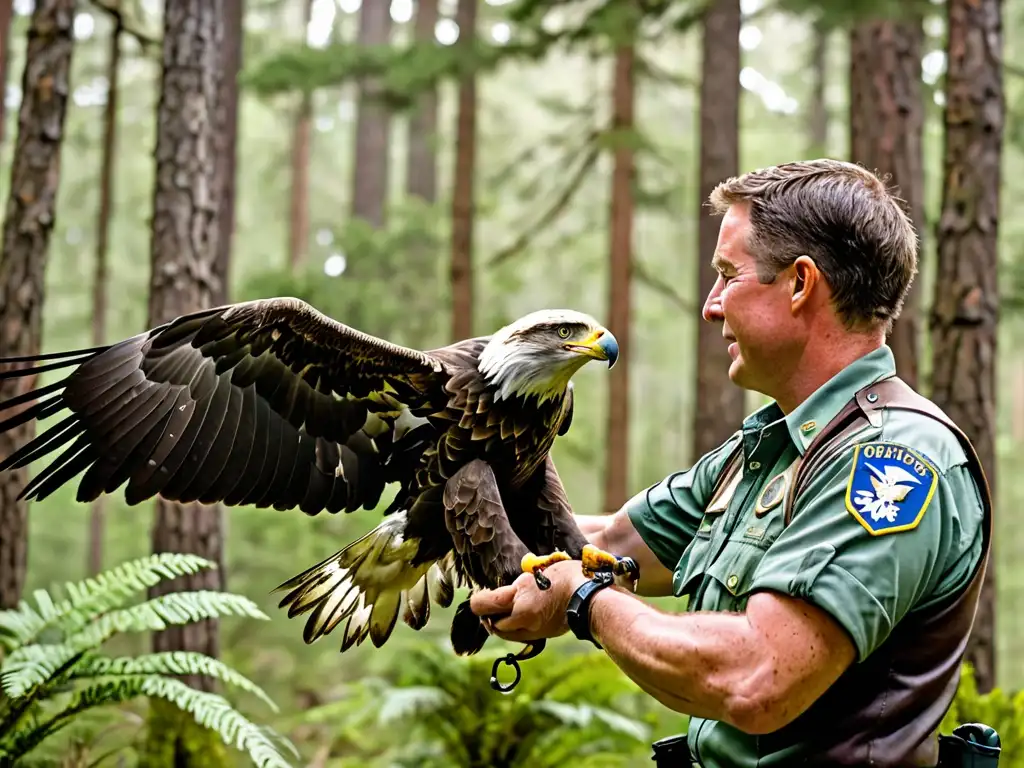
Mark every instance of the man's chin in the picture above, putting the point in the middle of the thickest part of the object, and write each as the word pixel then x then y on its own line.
pixel 737 373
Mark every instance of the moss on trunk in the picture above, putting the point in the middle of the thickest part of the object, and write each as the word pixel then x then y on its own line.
pixel 175 739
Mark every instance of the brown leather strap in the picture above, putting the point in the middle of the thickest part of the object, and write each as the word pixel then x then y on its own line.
pixel 732 465
pixel 822 449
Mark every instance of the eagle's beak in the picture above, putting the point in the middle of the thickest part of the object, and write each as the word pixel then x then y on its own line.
pixel 600 345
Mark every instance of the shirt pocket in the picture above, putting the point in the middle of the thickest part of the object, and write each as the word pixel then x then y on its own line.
pixel 760 532
pixel 693 562
pixel 731 575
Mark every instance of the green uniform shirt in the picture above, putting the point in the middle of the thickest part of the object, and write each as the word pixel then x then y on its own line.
pixel 892 523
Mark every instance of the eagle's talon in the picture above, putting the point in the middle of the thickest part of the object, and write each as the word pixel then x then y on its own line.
pixel 596 560
pixel 535 564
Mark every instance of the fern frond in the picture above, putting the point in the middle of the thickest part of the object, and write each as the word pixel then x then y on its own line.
pixel 208 709
pixel 174 608
pixel 29 666
pixel 33 665
pixel 91 597
pixel 168 663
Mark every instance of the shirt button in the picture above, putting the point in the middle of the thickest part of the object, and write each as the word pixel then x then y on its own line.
pixel 732 581
pixel 755 465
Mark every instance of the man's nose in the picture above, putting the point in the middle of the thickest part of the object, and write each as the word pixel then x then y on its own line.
pixel 712 310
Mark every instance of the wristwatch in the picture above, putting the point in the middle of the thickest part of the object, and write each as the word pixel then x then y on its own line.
pixel 577 613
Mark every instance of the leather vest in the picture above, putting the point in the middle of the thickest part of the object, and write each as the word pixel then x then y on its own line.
pixel 886 710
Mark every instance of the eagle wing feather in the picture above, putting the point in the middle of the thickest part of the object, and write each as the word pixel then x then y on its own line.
pixel 268 402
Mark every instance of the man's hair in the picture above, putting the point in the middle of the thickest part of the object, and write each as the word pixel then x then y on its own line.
pixel 841 216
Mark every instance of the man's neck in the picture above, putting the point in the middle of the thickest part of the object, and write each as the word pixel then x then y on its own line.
pixel 823 357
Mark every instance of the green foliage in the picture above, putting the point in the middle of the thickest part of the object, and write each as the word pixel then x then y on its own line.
pixel 998 708
pixel 567 707
pixel 401 72
pixel 53 671
pixel 843 15
pixel 390 275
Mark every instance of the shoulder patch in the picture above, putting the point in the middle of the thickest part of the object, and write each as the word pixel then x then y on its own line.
pixel 890 487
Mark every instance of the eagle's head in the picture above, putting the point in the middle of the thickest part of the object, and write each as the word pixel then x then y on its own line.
pixel 538 354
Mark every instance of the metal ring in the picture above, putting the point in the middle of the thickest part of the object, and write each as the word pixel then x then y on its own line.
pixel 496 684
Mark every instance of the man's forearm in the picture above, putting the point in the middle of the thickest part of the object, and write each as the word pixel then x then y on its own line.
pixel 593 527
pixel 701 664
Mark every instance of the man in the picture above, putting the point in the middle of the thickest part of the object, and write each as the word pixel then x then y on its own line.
pixel 830 595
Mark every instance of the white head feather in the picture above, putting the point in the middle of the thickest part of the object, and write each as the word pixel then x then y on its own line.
pixel 528 358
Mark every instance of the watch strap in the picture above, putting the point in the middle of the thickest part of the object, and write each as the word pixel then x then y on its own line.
pixel 577 613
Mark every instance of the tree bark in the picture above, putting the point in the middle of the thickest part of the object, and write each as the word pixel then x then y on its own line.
pixel 234 15
pixel 6 14
pixel 966 302
pixel 616 474
pixel 886 134
pixel 421 168
pixel 720 403
pixel 99 283
pixel 298 221
pixel 373 126
pixel 28 223
pixel 418 285
pixel 817 112
pixel 185 259
pixel 462 195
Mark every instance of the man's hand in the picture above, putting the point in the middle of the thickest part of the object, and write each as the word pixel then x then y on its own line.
pixel 528 613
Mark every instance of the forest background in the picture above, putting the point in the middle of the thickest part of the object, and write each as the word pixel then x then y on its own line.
pixel 430 169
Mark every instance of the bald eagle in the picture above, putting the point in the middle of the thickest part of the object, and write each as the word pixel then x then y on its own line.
pixel 270 403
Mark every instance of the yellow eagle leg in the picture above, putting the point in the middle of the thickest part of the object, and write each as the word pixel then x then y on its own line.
pixel 534 564
pixel 595 560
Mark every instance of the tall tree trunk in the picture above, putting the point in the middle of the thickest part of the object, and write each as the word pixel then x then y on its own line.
pixel 6 14
pixel 616 473
pixel 966 302
pixel 99 283
pixel 234 15
pixel 373 126
pixel 298 221
pixel 720 403
pixel 418 286
pixel 28 222
pixel 185 259
pixel 817 111
pixel 421 166
pixel 886 134
pixel 462 195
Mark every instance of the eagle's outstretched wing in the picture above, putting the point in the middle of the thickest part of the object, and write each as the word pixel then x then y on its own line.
pixel 267 402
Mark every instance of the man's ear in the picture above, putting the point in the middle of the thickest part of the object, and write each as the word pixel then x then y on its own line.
pixel 806 278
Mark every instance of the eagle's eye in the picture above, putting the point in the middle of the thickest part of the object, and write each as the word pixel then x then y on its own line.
pixel 563 331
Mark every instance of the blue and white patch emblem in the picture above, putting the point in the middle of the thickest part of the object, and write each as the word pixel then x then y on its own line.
pixel 890 487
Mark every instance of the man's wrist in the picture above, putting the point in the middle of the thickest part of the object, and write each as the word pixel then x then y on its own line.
pixel 578 613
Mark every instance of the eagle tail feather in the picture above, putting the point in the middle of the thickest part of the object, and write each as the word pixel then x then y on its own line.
pixel 468 633
pixel 365 585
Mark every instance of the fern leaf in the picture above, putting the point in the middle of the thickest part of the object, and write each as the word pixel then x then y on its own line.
pixel 208 709
pixel 214 712
pixel 26 668
pixel 410 701
pixel 168 663
pixel 160 612
pixel 91 597
pixel 33 665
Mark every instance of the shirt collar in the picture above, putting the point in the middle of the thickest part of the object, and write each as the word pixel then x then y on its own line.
pixel 824 404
